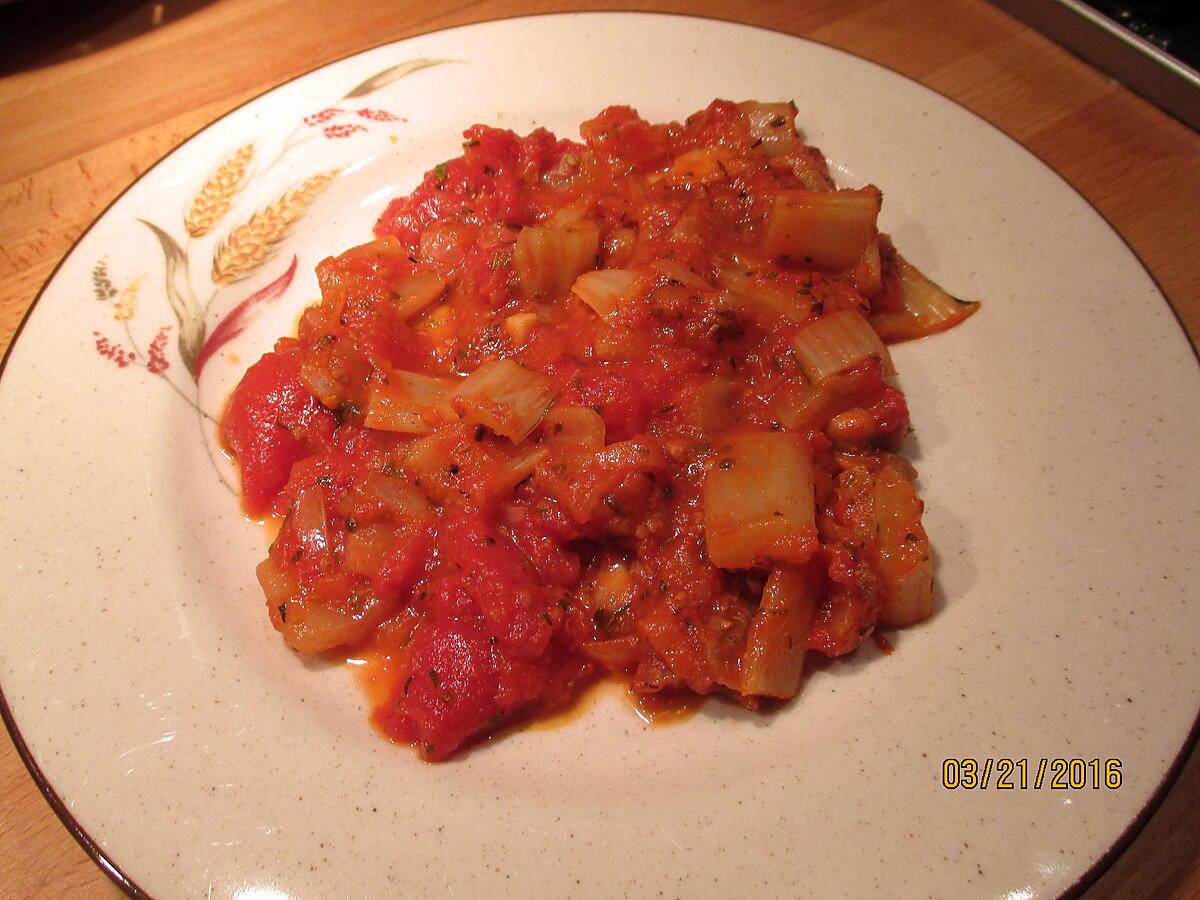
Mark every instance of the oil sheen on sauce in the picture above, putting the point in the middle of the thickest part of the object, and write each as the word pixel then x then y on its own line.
pixel 374 669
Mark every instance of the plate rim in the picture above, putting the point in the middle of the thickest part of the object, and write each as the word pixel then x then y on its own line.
pixel 114 871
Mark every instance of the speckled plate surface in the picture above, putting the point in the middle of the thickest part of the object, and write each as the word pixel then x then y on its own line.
pixel 1056 436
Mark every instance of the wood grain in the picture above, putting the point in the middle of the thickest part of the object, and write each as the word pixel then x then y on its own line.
pixel 74 134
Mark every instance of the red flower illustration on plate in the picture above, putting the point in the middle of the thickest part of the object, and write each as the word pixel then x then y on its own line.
pixel 320 118
pixel 112 350
pixel 341 131
pixel 377 115
pixel 157 358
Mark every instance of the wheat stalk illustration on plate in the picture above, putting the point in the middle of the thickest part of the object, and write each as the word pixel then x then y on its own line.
pixel 216 195
pixel 244 249
pixel 252 243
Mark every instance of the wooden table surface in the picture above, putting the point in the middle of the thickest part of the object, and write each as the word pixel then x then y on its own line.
pixel 88 107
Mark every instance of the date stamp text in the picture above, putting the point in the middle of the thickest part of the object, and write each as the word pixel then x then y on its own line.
pixel 1023 774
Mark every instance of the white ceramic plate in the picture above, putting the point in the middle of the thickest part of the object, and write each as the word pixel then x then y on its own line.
pixel 1056 436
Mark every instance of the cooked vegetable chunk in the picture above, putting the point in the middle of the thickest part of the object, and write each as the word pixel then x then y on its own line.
pixel 778 637
pixel 758 501
pixel 825 229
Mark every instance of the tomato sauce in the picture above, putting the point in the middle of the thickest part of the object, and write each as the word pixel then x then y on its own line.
pixel 612 405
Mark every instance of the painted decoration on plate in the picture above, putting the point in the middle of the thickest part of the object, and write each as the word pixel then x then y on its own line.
pixel 241 252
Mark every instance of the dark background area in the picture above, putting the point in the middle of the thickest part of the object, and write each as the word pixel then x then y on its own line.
pixel 1173 25
pixel 40 32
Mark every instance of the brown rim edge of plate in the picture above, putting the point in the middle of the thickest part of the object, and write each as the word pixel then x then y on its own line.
pixel 114 871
